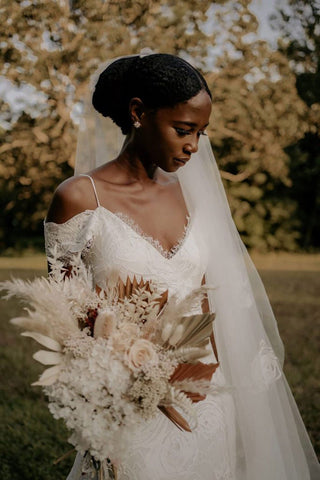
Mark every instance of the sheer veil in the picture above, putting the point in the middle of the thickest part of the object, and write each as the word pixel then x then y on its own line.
pixel 272 442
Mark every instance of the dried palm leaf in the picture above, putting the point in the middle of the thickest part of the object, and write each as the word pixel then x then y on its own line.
pixel 195 371
pixel 175 417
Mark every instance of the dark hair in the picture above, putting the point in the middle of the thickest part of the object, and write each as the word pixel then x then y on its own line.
pixel 160 80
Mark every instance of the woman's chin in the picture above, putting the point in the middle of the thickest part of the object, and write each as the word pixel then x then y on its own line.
pixel 172 167
pixel 164 177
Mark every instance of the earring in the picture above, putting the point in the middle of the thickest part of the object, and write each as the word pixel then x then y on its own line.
pixel 137 124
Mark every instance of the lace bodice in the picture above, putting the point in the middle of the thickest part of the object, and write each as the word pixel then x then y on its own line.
pixel 114 246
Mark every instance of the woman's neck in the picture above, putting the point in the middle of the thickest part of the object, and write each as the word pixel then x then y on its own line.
pixel 135 163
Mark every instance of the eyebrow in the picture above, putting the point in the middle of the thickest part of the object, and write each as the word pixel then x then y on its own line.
pixel 190 124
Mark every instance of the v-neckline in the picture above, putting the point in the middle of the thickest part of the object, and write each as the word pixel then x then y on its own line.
pixel 155 243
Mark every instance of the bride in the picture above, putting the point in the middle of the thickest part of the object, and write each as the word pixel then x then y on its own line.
pixel 157 211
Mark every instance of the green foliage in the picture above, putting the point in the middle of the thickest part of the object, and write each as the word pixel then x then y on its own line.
pixel 256 115
pixel 305 175
pixel 257 112
pixel 39 151
pixel 299 22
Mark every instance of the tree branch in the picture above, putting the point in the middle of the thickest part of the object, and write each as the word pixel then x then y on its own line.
pixel 238 177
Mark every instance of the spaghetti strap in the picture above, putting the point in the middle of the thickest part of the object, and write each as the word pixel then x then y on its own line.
pixel 93 186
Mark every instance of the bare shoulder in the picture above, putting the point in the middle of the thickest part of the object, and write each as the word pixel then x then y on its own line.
pixel 72 197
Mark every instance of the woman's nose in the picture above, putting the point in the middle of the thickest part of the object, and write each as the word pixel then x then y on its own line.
pixel 192 145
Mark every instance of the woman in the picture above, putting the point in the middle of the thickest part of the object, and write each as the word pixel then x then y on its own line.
pixel 153 214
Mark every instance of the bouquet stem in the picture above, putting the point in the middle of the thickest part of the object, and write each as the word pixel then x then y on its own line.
pixel 65 455
pixel 105 470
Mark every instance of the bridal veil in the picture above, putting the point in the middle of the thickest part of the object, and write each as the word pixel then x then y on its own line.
pixel 272 442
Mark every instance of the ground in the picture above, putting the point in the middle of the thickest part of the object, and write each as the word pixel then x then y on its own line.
pixel 32 440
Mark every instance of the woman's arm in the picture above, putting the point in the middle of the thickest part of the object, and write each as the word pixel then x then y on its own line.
pixel 73 196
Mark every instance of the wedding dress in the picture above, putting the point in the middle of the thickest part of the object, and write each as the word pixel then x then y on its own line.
pixel 114 246
pixel 250 428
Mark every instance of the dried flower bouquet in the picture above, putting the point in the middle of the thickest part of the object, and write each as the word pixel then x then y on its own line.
pixel 116 357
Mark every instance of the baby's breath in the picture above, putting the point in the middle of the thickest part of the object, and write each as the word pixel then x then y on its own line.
pixel 147 394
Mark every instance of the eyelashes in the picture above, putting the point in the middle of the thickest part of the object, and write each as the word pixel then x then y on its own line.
pixel 182 132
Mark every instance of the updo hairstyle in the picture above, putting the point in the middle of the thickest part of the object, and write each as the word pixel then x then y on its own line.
pixel 159 80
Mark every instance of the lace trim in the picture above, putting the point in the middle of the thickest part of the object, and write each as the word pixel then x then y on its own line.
pixel 155 243
pixel 64 233
pixel 72 236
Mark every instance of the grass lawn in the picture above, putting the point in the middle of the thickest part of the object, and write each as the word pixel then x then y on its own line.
pixel 32 440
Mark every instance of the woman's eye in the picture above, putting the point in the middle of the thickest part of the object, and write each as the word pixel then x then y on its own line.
pixel 182 131
pixel 202 132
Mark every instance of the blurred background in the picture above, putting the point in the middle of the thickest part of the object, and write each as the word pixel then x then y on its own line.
pixel 261 61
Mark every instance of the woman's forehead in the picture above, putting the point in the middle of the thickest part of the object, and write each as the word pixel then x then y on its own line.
pixel 195 111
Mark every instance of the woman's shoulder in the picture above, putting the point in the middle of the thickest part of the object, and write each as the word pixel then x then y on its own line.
pixel 72 197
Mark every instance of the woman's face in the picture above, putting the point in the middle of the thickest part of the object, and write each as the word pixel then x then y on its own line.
pixel 169 136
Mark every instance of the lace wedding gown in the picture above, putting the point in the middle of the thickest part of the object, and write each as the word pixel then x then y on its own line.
pixel 113 246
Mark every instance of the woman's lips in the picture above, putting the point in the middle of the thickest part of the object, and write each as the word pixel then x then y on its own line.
pixel 181 161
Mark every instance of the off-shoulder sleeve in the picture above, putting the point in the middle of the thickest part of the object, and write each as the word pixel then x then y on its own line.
pixel 69 238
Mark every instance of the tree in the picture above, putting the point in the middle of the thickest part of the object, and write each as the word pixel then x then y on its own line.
pixel 256 115
pixel 257 112
pixel 299 21
pixel 54 50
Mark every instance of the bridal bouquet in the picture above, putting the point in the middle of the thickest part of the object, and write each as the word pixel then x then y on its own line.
pixel 116 356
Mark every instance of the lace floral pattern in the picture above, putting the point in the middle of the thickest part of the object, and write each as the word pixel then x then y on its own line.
pixel 71 237
pixel 155 243
pixel 265 367
pixel 114 247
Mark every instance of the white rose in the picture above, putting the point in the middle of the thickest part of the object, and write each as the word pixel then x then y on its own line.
pixel 141 352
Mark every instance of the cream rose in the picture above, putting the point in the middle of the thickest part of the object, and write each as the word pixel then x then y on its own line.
pixel 141 352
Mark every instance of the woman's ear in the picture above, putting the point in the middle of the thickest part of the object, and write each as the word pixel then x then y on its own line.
pixel 136 110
